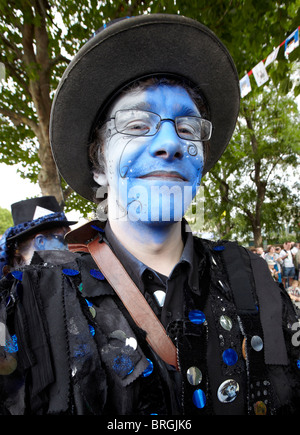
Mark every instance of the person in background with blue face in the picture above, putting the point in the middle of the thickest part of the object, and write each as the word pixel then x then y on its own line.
pixel 39 225
pixel 140 317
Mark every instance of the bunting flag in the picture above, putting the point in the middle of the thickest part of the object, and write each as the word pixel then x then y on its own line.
pixel 272 57
pixel 259 71
pixel 2 72
pixel 245 85
pixel 260 74
pixel 291 43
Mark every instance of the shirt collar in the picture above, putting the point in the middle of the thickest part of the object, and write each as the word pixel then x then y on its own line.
pixel 136 268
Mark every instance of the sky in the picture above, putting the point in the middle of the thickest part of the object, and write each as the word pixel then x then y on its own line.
pixel 14 189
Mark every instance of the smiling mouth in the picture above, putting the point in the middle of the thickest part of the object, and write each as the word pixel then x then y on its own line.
pixel 164 175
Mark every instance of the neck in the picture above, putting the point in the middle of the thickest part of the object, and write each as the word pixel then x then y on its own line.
pixel 157 246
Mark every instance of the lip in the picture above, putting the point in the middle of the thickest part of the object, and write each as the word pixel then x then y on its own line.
pixel 164 175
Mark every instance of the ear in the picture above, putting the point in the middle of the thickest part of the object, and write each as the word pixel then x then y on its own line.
pixel 100 179
pixel 39 242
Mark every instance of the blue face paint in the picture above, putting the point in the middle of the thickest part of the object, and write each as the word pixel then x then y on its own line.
pixel 49 242
pixel 154 179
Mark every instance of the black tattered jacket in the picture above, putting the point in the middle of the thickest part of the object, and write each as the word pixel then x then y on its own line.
pixel 70 346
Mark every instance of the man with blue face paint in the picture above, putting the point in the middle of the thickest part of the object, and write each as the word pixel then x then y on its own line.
pixel 143 318
pixel 154 163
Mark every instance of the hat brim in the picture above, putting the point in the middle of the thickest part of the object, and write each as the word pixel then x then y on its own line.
pixel 40 227
pixel 128 50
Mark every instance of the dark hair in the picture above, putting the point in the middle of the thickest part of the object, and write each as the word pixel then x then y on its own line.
pixel 96 148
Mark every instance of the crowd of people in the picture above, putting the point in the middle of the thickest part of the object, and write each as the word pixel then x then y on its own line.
pixel 283 262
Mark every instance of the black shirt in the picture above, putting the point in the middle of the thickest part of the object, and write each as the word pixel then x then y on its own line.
pixel 168 308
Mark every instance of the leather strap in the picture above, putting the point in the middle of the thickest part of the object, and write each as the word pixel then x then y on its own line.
pixel 134 301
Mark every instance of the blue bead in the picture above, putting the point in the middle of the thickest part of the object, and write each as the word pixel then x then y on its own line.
pixel 230 357
pixel 298 363
pixel 92 330
pixel 199 398
pixel 89 303
pixel 17 274
pixel 97 274
pixel 219 248
pixel 70 272
pixel 149 369
pixel 11 345
pixel 197 317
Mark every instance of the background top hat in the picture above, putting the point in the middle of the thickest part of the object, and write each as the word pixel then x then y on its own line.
pixel 36 214
pixel 131 49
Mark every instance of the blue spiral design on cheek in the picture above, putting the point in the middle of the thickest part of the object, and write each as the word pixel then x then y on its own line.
pixel 192 150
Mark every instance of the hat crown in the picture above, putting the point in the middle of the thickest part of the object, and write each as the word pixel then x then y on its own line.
pixel 30 209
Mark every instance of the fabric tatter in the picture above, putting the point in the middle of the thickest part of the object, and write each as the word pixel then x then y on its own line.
pixel 90 358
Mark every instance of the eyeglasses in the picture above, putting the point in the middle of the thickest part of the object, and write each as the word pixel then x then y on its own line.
pixel 143 123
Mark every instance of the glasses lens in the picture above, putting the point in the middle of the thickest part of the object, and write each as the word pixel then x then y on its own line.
pixel 193 128
pixel 136 122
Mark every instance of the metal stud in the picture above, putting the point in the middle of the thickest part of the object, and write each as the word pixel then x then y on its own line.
pixel 160 297
pixel 228 391
pixel 256 343
pixel 131 341
pixel 244 352
pixel 8 364
pixel 260 408
pixel 226 323
pixel 194 375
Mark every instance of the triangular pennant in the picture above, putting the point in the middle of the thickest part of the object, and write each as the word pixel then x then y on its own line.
pixel 291 43
pixel 272 57
pixel 260 74
pixel 245 86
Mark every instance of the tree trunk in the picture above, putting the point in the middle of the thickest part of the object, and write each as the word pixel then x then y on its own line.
pixel 49 179
pixel 36 57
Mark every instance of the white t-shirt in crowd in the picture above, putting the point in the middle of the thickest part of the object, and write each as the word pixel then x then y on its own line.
pixel 288 261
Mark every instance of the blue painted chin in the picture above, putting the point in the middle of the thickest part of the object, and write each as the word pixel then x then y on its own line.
pixel 157 201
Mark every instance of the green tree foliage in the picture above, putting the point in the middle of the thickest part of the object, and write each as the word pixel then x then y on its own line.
pixel 6 220
pixel 38 39
pixel 252 189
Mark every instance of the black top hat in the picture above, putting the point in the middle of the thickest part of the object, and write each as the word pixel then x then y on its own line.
pixel 127 50
pixel 36 214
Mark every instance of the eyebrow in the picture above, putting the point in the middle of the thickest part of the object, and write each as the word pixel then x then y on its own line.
pixel 143 105
pixel 189 111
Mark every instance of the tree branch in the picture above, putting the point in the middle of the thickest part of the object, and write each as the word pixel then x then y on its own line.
pixel 16 74
pixel 11 46
pixel 18 118
pixel 58 59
